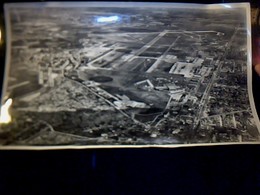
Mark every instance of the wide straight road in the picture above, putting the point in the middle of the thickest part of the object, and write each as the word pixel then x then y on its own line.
pixel 204 99
pixel 159 60
pixel 148 45
pixel 92 90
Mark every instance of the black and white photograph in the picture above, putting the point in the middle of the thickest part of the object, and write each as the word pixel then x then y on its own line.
pixel 127 75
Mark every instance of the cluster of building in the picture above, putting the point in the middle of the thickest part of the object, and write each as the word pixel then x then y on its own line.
pixel 52 72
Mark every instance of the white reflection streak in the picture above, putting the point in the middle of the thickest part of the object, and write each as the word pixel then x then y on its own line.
pixel 226 6
pixel 4 115
pixel 108 19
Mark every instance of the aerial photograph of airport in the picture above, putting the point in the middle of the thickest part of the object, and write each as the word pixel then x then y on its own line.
pixel 127 75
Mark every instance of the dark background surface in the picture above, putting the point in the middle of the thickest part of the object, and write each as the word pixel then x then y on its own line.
pixel 192 170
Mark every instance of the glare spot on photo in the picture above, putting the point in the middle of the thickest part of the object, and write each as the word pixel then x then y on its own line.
pixel 5 115
pixel 107 19
pixel 226 6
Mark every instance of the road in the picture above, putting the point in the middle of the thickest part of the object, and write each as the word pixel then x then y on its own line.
pixel 227 113
pixel 167 31
pixel 148 45
pixel 159 60
pixel 108 102
pixel 204 99
pixel 98 58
